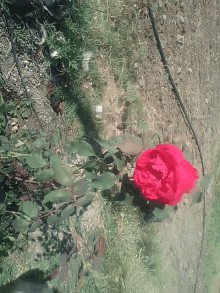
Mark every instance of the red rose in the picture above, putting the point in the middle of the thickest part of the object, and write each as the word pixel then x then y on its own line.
pixel 162 174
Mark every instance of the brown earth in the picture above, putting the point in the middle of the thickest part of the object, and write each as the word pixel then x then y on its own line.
pixel 198 85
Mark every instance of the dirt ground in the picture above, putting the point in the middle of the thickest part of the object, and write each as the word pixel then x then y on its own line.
pixel 194 65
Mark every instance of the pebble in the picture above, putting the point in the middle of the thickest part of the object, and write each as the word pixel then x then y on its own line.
pixel 179 70
pixel 190 70
pixel 136 65
pixel 207 101
pixel 160 4
pixel 141 83
pixel 164 18
pixel 180 39
pixel 14 128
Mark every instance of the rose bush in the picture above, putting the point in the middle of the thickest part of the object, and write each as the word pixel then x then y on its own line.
pixel 163 174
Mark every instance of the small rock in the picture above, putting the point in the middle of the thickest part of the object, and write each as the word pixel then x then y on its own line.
pixel 141 83
pixel 207 101
pixel 25 62
pixel 190 70
pixel 164 18
pixel 98 112
pixel 136 65
pixel 179 70
pixel 13 123
pixel 160 4
pixel 180 39
pixel 14 128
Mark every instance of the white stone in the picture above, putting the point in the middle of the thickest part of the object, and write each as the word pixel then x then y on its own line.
pixel 180 39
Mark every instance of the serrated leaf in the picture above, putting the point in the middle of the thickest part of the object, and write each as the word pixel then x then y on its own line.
pixel 61 175
pixel 53 139
pixel 85 200
pixel 104 181
pixel 63 258
pixel 90 164
pixel 67 212
pixel 36 161
pixel 206 180
pixel 34 226
pixel 156 139
pixel 81 186
pixel 52 219
pixel 197 197
pixel 116 140
pixel 130 147
pixel 119 163
pixel 63 273
pixel 90 174
pixel 74 264
pixel 160 215
pixel 20 225
pixel 40 143
pixel 30 209
pixel 44 175
pixel 59 195
pixel 105 144
pixel 82 148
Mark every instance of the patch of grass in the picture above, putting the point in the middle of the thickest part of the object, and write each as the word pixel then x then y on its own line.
pixel 114 32
pixel 131 252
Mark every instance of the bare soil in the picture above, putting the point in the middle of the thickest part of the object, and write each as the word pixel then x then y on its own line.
pixel 194 66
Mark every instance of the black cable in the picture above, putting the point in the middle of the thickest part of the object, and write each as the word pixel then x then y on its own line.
pixel 190 125
pixel 18 68
pixel 173 84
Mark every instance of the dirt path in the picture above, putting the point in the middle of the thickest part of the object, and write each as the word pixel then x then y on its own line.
pixel 194 65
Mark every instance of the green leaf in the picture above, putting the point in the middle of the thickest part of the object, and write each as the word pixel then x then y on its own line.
pixel 104 181
pixel 90 174
pixel 41 143
pixel 30 209
pixel 3 139
pixel 59 195
pixel 116 140
pixel 90 164
pixel 187 155
pixel 67 212
pixel 63 273
pixel 44 175
pixel 36 161
pixel 119 163
pixel 63 258
pixel 105 144
pixel 52 219
pixel 197 197
pixel 74 264
pixel 81 186
pixel 34 226
pixel 82 148
pixel 61 175
pixel 156 139
pixel 206 180
pixel 85 200
pixel 53 139
pixel 20 225
pixel 160 215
